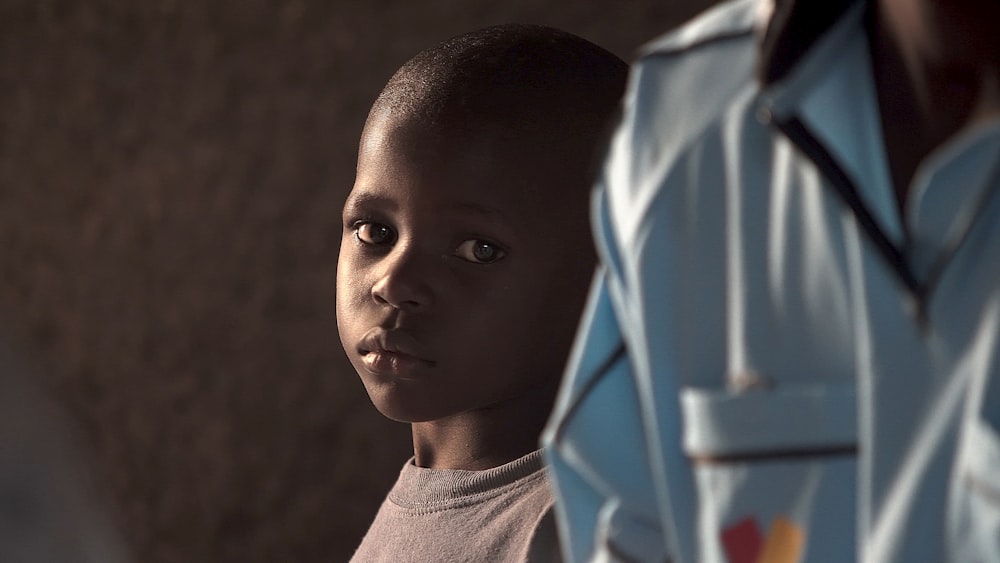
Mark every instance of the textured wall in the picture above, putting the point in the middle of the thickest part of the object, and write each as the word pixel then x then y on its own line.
pixel 171 175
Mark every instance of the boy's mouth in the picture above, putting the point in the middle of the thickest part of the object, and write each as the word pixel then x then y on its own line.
pixel 392 352
pixel 390 363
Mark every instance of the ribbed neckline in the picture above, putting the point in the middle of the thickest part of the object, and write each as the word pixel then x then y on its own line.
pixel 423 488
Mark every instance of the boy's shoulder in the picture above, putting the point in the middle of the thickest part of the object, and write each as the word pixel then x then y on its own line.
pixel 458 515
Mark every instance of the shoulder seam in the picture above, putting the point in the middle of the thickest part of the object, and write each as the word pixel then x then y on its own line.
pixel 700 43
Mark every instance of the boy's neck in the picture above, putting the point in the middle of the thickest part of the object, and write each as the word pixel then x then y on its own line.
pixel 483 438
pixel 929 86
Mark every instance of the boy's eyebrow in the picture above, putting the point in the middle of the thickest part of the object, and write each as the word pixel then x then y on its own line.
pixel 479 209
pixel 370 200
pixel 356 200
pixel 374 200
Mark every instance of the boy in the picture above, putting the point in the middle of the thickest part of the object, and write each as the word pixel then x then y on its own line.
pixel 464 264
pixel 793 350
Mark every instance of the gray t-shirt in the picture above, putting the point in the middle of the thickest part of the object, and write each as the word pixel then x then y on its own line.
pixel 448 515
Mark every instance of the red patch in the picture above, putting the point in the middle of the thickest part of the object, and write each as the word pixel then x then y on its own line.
pixel 743 541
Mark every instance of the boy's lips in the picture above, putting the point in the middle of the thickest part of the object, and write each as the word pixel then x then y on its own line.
pixel 392 351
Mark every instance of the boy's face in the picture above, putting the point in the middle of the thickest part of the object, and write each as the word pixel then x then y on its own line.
pixel 462 273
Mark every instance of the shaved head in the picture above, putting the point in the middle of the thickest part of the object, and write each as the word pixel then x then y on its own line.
pixel 533 89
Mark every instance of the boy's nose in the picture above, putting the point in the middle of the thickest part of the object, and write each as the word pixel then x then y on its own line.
pixel 403 285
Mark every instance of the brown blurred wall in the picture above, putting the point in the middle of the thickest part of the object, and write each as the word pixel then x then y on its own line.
pixel 171 176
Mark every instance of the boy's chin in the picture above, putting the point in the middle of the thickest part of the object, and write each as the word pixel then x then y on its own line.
pixel 403 411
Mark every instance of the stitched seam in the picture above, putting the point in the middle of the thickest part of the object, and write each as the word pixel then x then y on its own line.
pixel 463 501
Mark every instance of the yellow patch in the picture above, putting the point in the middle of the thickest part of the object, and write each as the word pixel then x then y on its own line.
pixel 784 542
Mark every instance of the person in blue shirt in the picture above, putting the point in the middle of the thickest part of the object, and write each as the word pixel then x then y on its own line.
pixel 791 350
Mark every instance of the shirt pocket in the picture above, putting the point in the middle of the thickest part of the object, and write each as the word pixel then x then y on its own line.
pixel 775 472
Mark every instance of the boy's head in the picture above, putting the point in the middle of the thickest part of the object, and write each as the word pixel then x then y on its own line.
pixel 466 251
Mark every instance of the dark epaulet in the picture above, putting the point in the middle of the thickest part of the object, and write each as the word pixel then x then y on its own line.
pixel 793 27
pixel 723 22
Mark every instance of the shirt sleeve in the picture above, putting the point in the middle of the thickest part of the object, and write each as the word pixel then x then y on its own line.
pixel 596 444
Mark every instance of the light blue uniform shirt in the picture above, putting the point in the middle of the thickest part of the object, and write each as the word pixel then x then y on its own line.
pixel 759 377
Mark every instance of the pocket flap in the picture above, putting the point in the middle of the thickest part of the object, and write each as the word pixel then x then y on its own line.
pixel 801 420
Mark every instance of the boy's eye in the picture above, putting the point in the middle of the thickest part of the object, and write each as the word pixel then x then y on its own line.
pixel 479 251
pixel 375 233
